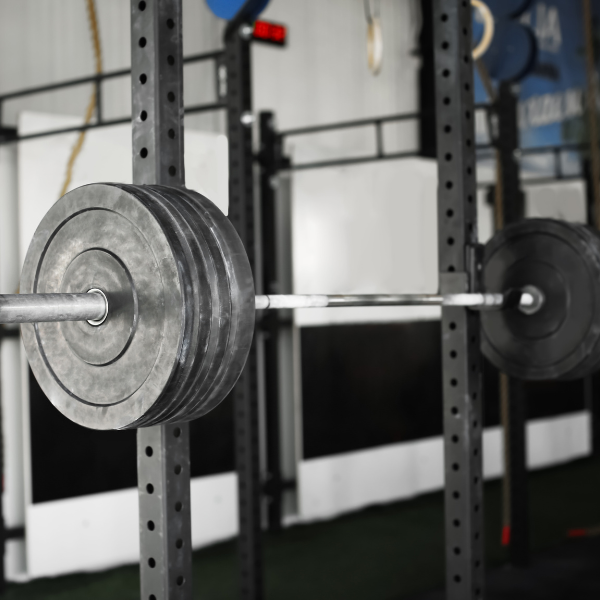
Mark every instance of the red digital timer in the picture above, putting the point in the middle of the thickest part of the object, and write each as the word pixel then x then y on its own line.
pixel 272 33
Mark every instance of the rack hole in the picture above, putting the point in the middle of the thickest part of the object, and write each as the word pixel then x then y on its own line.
pixel 170 23
pixel 180 580
pixel 151 563
pixel 172 171
pixel 151 597
pixel 149 451
pixel 470 199
pixel 455 467
pixel 476 452
pixel 144 152
pixel 468 143
pixel 177 469
pixel 444 17
pixel 456 523
pixel 457 550
pixel 446 100
pixel 456 495
pixel 170 60
pixel 469 171
pixel 151 525
pixel 454 439
pixel 179 543
pixel 476 480
pixel 171 97
pixel 143 78
pixel 454 410
pixel 452 325
pixel 451 269
pixel 177 432
pixel 477 508
pixel 450 241
pixel 466 59
pixel 150 488
pixel 178 506
pixel 448 156
pixel 468 114
pixel 457 578
pixel 475 424
pixel 142 5
pixel 446 72
pixel 171 133
pixel 449 213
pixel 143 115
pixel 445 45
pixel 467 87
pixel 142 42
pixel 453 383
pixel 476 536
pixel 447 129
pixel 449 185
pixel 453 354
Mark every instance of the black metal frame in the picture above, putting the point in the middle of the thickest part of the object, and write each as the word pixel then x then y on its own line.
pixel 9 134
pixel 245 394
pixel 163 454
pixel 515 425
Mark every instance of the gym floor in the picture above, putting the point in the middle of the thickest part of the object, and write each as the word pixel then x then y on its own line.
pixel 392 552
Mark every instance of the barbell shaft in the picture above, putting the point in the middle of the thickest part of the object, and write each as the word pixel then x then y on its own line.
pixel 475 301
pixel 39 308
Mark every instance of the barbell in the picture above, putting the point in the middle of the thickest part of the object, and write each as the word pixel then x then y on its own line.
pixel 138 304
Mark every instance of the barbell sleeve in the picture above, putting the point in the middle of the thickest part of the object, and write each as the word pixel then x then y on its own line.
pixel 38 308
pixel 93 306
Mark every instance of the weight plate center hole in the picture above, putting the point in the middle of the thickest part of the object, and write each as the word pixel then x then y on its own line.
pixel 98 322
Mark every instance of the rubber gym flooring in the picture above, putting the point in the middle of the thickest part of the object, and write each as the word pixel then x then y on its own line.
pixel 392 552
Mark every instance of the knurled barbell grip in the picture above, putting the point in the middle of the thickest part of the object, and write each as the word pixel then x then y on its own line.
pixel 93 306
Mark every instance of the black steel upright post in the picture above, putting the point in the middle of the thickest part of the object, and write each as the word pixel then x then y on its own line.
pixel 245 394
pixel 515 438
pixel 269 160
pixel 461 357
pixel 163 450
pixel 591 384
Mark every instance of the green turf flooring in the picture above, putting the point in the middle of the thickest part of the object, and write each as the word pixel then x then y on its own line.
pixel 382 553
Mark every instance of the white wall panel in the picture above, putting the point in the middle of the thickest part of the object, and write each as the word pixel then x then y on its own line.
pixel 333 485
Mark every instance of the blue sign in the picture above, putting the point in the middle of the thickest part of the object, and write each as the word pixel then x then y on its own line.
pixel 227 9
pixel 552 96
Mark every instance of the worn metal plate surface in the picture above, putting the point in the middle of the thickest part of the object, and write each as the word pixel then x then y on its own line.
pixel 181 305
pixel 562 339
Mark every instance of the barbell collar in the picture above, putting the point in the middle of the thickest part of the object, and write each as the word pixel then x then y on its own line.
pixel 93 306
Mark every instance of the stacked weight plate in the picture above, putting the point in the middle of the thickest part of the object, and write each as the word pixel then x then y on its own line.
pixel 181 305
pixel 562 340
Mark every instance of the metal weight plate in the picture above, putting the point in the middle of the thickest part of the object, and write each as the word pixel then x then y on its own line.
pixel 561 340
pixel 167 350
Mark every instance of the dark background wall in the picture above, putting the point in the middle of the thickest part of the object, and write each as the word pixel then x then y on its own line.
pixel 363 386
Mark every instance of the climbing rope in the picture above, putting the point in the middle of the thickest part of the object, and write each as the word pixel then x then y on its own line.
pixel 93 23
pixel 374 36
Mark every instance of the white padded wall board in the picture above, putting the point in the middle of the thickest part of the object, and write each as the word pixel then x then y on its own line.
pixel 101 530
